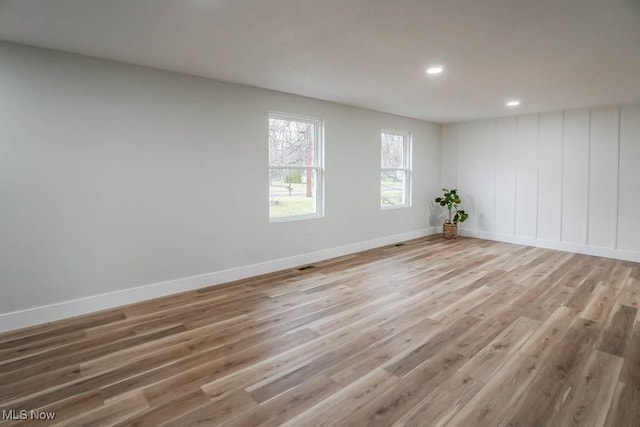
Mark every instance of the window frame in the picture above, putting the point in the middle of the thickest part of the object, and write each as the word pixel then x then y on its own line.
pixel 318 164
pixel 407 155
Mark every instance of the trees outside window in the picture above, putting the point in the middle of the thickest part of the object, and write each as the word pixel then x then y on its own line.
pixel 295 167
pixel 395 173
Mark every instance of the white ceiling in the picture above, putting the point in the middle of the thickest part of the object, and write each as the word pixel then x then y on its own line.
pixel 552 54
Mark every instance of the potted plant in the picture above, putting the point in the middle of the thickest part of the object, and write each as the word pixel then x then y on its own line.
pixel 451 201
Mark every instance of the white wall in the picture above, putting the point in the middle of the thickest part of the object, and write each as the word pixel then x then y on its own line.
pixel 114 176
pixel 566 180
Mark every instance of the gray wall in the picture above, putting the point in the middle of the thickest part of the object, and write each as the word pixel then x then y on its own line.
pixel 114 176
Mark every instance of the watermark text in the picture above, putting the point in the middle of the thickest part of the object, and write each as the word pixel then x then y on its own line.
pixel 31 415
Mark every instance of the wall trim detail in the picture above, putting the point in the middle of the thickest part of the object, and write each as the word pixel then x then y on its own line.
pixel 550 244
pixel 62 310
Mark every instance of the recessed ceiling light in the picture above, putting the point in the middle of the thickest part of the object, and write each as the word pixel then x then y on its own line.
pixel 435 69
pixel 513 103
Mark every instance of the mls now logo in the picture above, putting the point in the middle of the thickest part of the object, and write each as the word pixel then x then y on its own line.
pixel 23 414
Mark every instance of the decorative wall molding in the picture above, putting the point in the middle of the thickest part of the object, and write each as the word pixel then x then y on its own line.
pixel 565 180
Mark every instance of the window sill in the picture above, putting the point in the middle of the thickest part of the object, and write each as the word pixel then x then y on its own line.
pixel 295 218
pixel 391 208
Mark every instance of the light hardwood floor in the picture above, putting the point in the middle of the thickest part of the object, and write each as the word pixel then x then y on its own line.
pixel 432 332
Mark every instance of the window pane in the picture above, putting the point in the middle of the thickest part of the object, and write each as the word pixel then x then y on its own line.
pixel 392 150
pixel 291 143
pixel 292 192
pixel 392 188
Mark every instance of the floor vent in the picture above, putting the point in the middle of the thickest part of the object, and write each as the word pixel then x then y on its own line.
pixel 306 267
pixel 398 244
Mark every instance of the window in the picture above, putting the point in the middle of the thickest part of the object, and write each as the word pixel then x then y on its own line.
pixel 395 175
pixel 295 167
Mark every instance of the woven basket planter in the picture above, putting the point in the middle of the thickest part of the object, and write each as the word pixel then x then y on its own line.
pixel 449 230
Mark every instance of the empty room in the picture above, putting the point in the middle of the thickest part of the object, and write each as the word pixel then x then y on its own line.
pixel 320 213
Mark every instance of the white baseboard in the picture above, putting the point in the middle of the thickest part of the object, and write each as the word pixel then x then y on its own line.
pixel 61 310
pixel 549 244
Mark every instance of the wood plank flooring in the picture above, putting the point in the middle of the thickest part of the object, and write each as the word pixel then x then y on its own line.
pixel 428 333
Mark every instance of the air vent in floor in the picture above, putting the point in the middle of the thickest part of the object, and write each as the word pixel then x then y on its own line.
pixel 306 267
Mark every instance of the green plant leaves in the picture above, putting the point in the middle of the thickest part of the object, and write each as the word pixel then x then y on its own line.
pixel 452 200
